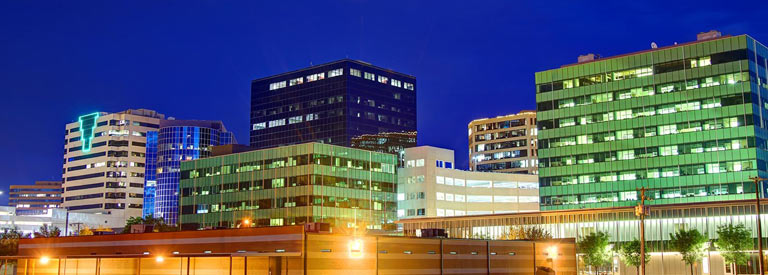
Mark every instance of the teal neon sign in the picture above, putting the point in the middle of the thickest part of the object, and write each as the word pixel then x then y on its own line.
pixel 87 130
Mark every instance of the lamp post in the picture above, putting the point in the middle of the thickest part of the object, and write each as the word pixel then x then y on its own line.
pixel 759 190
pixel 640 212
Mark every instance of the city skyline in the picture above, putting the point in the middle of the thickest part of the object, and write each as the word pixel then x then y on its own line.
pixel 78 60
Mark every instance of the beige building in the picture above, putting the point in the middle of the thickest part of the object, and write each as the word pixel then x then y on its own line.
pixel 504 144
pixel 428 186
pixel 104 162
pixel 36 199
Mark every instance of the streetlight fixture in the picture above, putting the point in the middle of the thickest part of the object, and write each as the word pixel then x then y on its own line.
pixel 759 190
pixel 44 260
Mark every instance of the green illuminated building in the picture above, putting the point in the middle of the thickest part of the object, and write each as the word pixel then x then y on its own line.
pixel 288 185
pixel 687 122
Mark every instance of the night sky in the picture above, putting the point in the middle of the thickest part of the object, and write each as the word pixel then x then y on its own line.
pixel 195 59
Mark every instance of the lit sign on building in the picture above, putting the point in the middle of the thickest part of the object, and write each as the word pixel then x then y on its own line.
pixel 87 128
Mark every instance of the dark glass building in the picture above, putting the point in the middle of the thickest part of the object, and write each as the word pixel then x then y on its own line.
pixel 174 142
pixel 331 103
pixel 393 143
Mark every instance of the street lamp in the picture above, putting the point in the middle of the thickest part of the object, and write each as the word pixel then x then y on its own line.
pixel 759 190
pixel 44 260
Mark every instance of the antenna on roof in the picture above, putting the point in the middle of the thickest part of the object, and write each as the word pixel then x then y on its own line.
pixel 653 45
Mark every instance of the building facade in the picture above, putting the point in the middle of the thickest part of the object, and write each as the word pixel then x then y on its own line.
pixel 290 185
pixel 176 141
pixel 621 225
pixel 429 186
pixel 685 121
pixel 393 143
pixel 504 144
pixel 331 103
pixel 68 223
pixel 104 162
pixel 37 199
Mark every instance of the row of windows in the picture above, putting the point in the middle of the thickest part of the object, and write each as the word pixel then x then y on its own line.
pixel 655 194
pixel 641 132
pixel 718 58
pixel 490 167
pixel 297 119
pixel 647 111
pixel 289 202
pixel 502 124
pixel 115 122
pixel 500 155
pixel 650 152
pixel 106 164
pixel 282 182
pixel 652 173
pixel 300 160
pixel 501 145
pixel 485 183
pixel 670 87
pixel 338 72
pixel 411 196
pixel 299 106
pixel 501 135
pixel 105 184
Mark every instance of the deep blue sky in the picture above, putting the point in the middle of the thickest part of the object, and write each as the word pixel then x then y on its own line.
pixel 195 59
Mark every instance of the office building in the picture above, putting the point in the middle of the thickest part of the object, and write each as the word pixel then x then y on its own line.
pixel 331 103
pixel 685 121
pixel 504 144
pixel 428 186
pixel 37 199
pixel 104 162
pixel 176 141
pixel 289 185
pixel 286 250
pixel 393 143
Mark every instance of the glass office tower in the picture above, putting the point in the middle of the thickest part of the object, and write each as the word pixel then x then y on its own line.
pixel 174 142
pixel 290 185
pixel 687 122
pixel 331 103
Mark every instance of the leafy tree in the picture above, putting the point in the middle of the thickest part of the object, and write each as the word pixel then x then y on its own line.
pixel 9 241
pixel 86 231
pixel 690 244
pixel 48 231
pixel 595 249
pixel 733 242
pixel 630 254
pixel 158 224
pixel 530 233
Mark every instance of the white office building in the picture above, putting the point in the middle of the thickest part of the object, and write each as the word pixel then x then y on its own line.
pixel 429 186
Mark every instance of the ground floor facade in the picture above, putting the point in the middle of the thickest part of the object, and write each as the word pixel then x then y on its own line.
pixel 622 225
pixel 283 250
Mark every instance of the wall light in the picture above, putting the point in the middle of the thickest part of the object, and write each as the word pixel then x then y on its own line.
pixel 355 248
pixel 44 260
pixel 552 252
pixel 159 259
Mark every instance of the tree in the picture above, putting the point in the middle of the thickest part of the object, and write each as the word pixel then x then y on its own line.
pixel 690 244
pixel 630 254
pixel 530 233
pixel 48 231
pixel 158 224
pixel 733 241
pixel 9 241
pixel 595 249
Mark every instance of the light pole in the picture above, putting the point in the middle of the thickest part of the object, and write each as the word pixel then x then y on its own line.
pixel 640 212
pixel 759 190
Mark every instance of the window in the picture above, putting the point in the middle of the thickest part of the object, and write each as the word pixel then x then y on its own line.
pixel 504 198
pixel 354 72
pixel 420 163
pixel 668 150
pixel 259 126
pixel 400 196
pixel 440 180
pixel 410 163
pixel 276 85
pixel 668 129
pixel 408 86
pixel 440 212
pixel 440 196
pixel 624 134
pixel 370 76
pixel 448 181
pixel 459 182
pixel 295 119
pixel 296 81
pixel 396 83
pixel 311 117
pixel 277 122
pixel 625 155
pixel 383 79
pixel 625 114
pixel 400 212
pixel 449 197
pixel 315 77
pixel 475 198
pixel 336 72
pixel 458 198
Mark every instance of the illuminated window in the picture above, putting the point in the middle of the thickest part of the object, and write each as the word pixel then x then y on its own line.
pixel 440 196
pixel 383 79
pixel 625 155
pixel 419 162
pixel 401 212
pixel 396 83
pixel 277 122
pixel 449 197
pixel 459 182
pixel 315 77
pixel 667 129
pixel 625 114
pixel 439 180
pixel 276 85
pixel 336 72
pixel 259 126
pixel 400 196
pixel 311 117
pixel 295 119
pixel 354 72
pixel 296 81
pixel 370 76
pixel 440 212
pixel 668 150
pixel 408 86
pixel 624 134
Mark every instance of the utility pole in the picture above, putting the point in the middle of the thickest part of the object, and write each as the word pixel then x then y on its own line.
pixel 641 212
pixel 759 190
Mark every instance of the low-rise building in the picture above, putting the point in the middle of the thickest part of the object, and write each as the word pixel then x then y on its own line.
pixel 36 199
pixel 429 186
pixel 69 223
